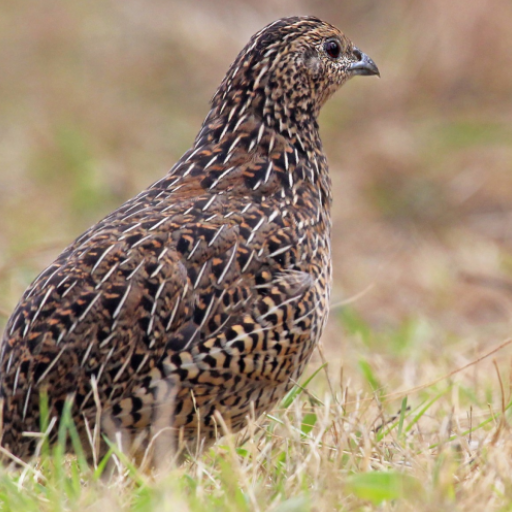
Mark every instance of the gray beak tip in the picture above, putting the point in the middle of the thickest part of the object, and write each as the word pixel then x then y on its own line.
pixel 364 66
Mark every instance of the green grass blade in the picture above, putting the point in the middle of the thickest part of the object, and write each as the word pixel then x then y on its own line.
pixel 297 390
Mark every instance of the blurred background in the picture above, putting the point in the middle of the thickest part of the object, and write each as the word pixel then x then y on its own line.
pixel 98 99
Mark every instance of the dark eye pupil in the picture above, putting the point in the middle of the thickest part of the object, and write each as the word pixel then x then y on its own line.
pixel 332 48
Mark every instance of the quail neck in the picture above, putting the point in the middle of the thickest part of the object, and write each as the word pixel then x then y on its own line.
pixel 206 293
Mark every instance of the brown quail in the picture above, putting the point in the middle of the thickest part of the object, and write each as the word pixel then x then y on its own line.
pixel 209 290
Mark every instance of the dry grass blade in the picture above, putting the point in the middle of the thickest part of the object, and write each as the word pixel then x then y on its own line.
pixel 401 394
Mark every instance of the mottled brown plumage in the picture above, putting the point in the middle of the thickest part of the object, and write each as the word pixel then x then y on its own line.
pixel 209 290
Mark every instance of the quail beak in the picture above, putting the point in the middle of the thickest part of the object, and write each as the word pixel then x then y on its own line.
pixel 364 66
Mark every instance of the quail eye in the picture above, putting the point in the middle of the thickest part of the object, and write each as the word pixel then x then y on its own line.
pixel 332 48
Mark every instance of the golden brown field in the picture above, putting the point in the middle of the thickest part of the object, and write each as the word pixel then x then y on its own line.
pixel 98 99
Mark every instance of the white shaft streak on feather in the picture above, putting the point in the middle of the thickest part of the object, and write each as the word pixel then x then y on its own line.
pixel 240 120
pixel 101 258
pixel 305 315
pixel 61 336
pixel 246 266
pixel 158 224
pixel 242 336
pixel 224 131
pixel 301 144
pixel 125 261
pixel 269 52
pixel 121 302
pixel 273 215
pixel 157 296
pixel 27 399
pixel 173 314
pixel 87 353
pixel 137 210
pixel 41 305
pixel 251 145
pixel 264 69
pixel 11 330
pixel 269 171
pixel 142 363
pixel 209 203
pixel 9 362
pixel 167 208
pixel 104 364
pixel 193 154
pixel 49 278
pixel 127 230
pixel 280 251
pixel 217 233
pixel 200 274
pixel 16 378
pixel 189 169
pixel 141 241
pixel 200 326
pixel 89 307
pixel 221 326
pixel 194 249
pixel 62 282
pixel 161 194
pixel 155 305
pixel 163 253
pixel 125 365
pixel 316 167
pixel 261 131
pixel 157 269
pixel 280 305
pixel 224 174
pixel 50 366
pixel 228 264
pixel 232 113
pixel 211 162
pixel 107 275
pixel 271 143
pixel 233 145
pixel 107 340
pixel 255 229
pixel 136 269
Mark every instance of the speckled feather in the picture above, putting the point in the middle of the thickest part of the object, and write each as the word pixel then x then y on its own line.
pixel 209 290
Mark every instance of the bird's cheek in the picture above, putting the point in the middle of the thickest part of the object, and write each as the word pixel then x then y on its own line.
pixel 314 67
